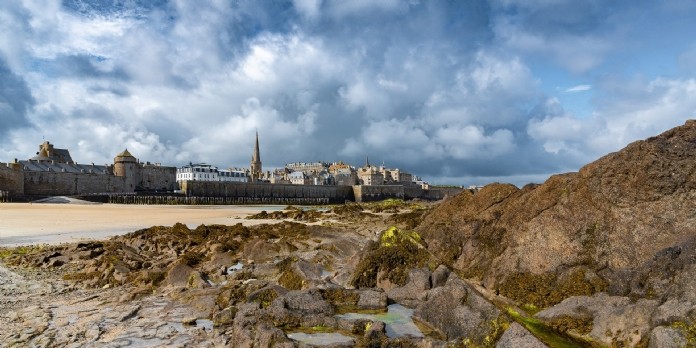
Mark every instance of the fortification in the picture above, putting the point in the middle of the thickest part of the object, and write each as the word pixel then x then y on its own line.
pixel 156 177
pixel 53 172
pixel 262 192
pixel 52 183
pixel 126 167
pixel 11 179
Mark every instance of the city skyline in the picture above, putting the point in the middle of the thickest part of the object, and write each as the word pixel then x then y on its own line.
pixel 455 92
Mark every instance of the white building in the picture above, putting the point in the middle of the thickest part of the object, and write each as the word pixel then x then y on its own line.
pixel 207 172
pixel 299 178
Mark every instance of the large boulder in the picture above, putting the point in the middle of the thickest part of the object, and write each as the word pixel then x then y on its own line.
pixel 458 311
pixel 414 290
pixel 605 221
pixel 607 319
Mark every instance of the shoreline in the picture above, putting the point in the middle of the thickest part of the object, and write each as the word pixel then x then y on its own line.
pixel 52 223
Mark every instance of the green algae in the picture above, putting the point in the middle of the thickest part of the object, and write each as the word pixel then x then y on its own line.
pixel 291 280
pixel 689 332
pixel 547 289
pixel 548 335
pixel 395 255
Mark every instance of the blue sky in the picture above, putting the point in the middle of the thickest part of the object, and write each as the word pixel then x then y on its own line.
pixel 458 92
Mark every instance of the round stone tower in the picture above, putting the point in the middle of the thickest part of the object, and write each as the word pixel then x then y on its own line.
pixel 126 166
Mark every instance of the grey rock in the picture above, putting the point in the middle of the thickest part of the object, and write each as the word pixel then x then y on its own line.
pixel 666 337
pixel 517 336
pixel 372 299
pixel 418 283
pixel 615 318
pixel 307 302
pixel 671 311
pixel 457 311
pixel 178 274
pixel 377 329
pixel 439 276
pixel 225 316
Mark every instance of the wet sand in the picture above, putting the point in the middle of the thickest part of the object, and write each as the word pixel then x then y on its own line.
pixel 24 223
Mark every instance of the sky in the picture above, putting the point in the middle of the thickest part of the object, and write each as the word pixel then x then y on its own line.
pixel 456 92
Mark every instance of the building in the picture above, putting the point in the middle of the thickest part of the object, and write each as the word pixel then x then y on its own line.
pixel 53 172
pixel 370 175
pixel 307 167
pixel 396 176
pixel 299 178
pixel 343 174
pixel 255 168
pixel 420 183
pixel 207 172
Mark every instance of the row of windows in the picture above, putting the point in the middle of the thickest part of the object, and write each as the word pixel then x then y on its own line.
pixel 212 175
pixel 223 176
pixel 197 170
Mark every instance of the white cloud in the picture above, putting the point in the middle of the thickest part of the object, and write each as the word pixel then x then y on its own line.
pixel 470 142
pixel 631 110
pixel 578 88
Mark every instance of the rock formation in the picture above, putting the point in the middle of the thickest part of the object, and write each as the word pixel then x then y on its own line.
pixel 624 225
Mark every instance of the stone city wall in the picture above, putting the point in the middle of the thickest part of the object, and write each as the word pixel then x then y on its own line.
pixel 369 193
pixel 157 178
pixel 268 192
pixel 11 179
pixel 431 194
pixel 59 183
pixel 333 194
pixel 438 193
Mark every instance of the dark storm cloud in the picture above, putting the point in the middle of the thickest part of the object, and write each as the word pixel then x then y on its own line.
pixel 15 99
pixel 453 91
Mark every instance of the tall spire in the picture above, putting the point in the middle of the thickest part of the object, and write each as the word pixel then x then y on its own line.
pixel 255 167
pixel 367 161
pixel 256 157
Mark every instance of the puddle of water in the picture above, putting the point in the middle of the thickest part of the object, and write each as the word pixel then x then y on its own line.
pixel 205 324
pixel 397 320
pixel 236 267
pixel 321 339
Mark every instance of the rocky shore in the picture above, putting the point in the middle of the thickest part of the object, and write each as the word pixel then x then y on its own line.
pixel 605 257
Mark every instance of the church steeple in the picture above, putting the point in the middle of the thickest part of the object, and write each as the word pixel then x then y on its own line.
pixel 255 167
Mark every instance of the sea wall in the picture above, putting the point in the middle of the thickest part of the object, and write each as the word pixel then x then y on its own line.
pixel 268 193
pixel 11 179
pixel 58 183
pixel 365 193
pixel 435 193
pixel 153 177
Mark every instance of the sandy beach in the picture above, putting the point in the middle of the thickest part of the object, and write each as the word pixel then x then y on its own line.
pixel 23 223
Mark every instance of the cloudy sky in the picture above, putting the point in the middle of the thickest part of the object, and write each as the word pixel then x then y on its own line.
pixel 458 92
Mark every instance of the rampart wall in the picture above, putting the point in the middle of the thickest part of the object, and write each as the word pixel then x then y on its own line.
pixel 58 183
pixel 266 192
pixel 11 179
pixel 157 178
pixel 334 194
pixel 431 194
pixel 369 193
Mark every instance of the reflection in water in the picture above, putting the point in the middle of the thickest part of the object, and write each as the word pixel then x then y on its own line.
pixel 321 339
pixel 397 320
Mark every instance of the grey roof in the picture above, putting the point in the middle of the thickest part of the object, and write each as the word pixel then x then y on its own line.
pixel 45 166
